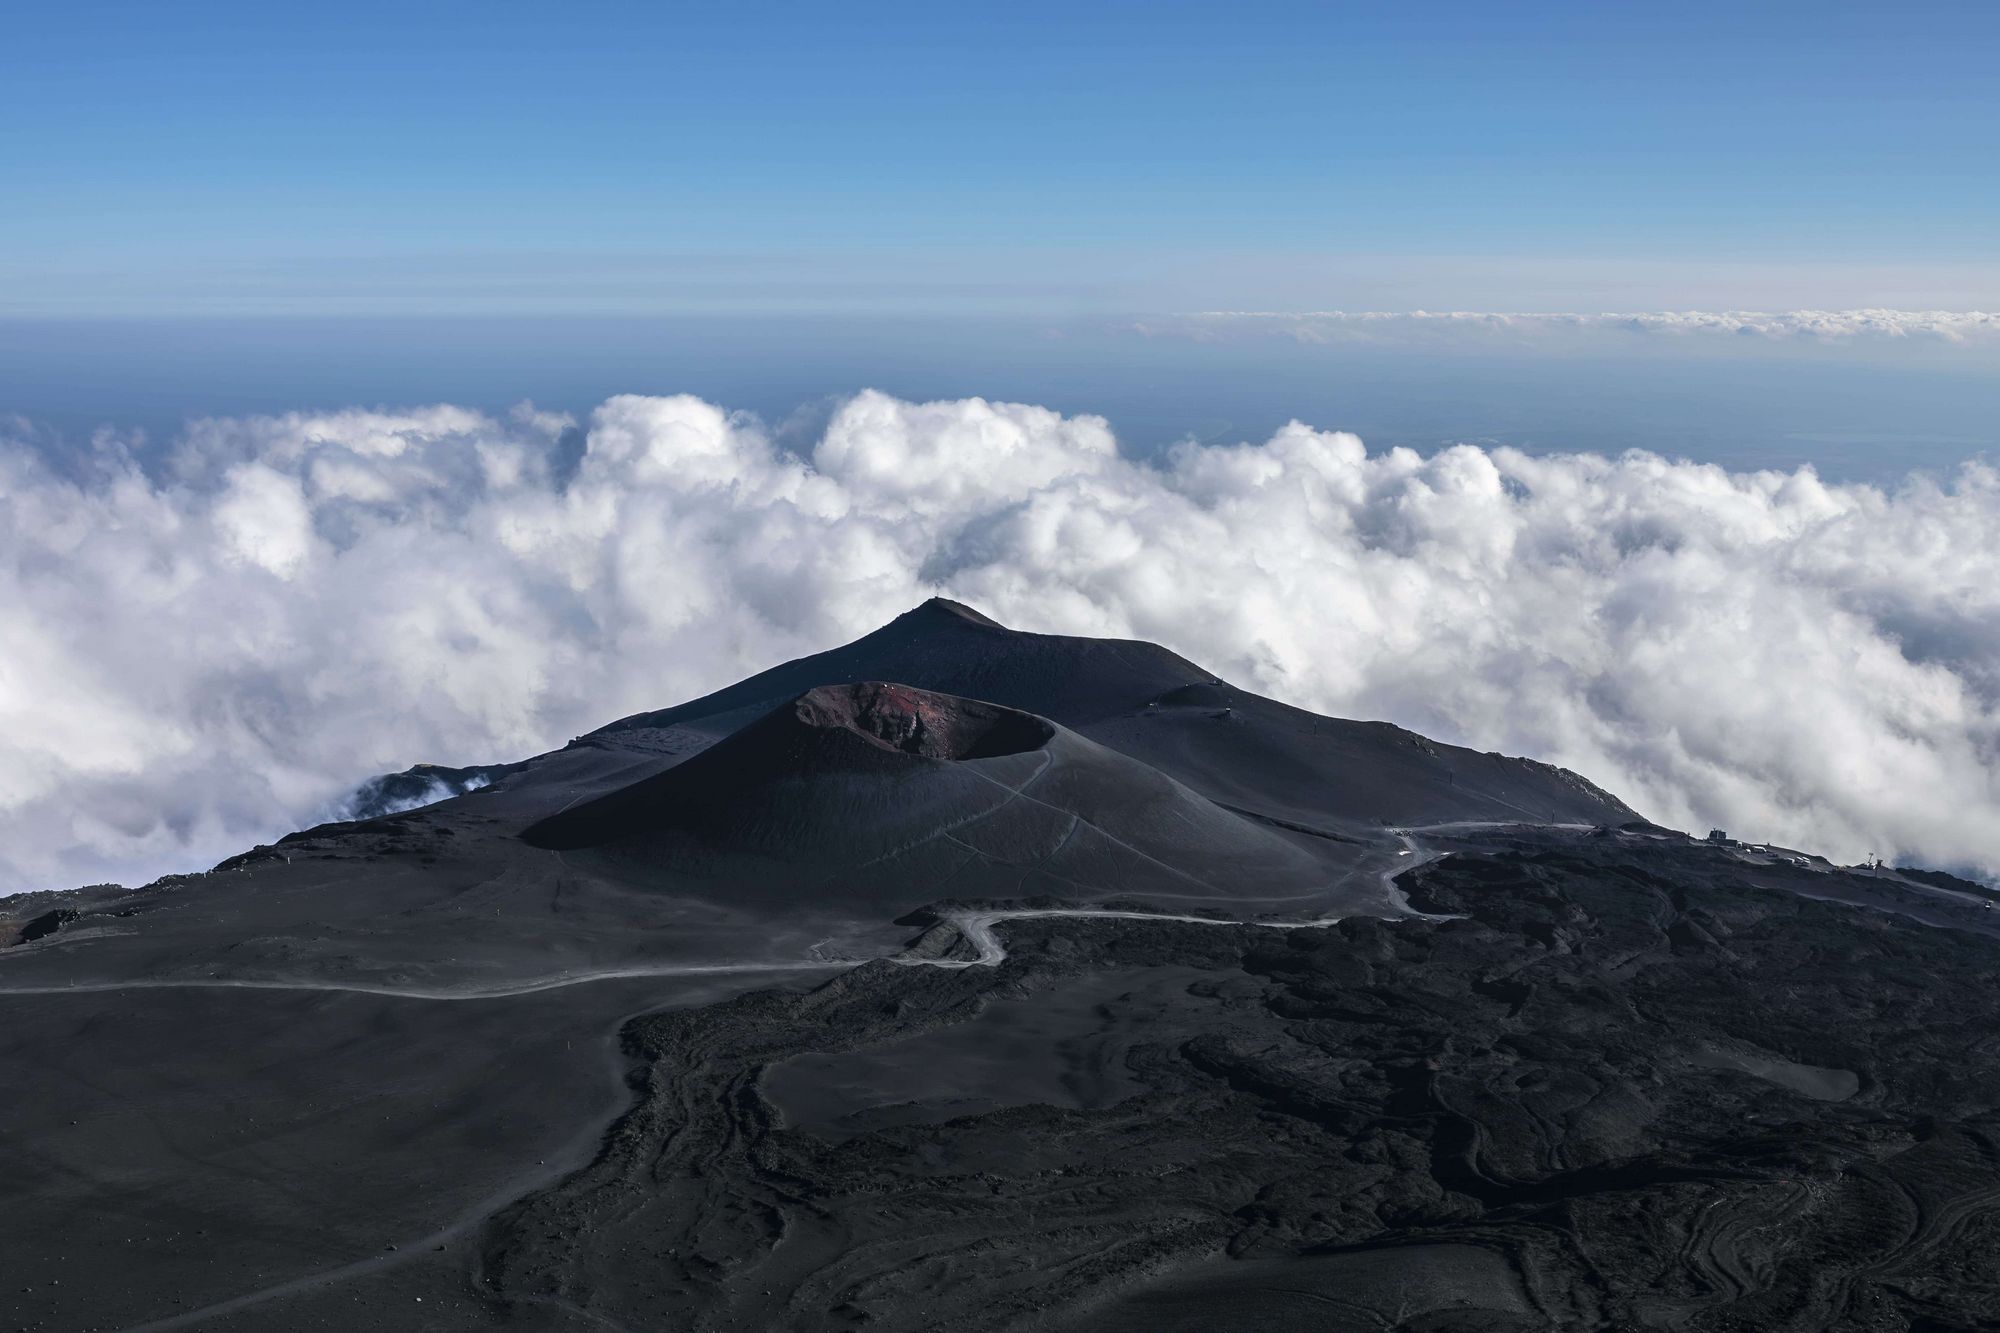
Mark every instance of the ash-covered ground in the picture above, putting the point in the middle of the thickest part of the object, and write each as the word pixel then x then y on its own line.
pixel 968 979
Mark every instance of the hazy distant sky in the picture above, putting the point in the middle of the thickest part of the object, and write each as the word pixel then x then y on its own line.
pixel 218 209
pixel 1025 158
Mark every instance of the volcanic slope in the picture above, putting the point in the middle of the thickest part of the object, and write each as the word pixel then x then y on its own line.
pixel 1142 700
pixel 632 1038
pixel 887 798
pixel 1146 787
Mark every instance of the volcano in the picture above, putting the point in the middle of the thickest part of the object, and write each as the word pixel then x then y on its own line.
pixel 967 977
pixel 884 793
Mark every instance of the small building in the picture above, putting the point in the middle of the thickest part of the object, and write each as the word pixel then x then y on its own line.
pixel 1717 835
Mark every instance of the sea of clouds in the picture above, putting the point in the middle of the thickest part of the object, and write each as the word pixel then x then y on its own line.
pixel 1974 328
pixel 205 646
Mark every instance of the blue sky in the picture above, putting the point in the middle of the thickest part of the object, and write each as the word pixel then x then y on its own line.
pixel 214 209
pixel 1025 158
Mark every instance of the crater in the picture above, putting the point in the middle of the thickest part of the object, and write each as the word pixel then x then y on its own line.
pixel 918 722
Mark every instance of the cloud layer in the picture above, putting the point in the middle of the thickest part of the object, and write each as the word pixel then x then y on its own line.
pixel 212 648
pixel 1974 328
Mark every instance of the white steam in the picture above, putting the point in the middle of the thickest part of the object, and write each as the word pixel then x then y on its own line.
pixel 201 654
pixel 395 794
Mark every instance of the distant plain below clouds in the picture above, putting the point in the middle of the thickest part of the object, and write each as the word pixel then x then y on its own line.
pixel 209 644
pixel 1980 328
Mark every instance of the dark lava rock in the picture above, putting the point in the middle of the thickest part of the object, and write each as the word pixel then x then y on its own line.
pixel 1626 1088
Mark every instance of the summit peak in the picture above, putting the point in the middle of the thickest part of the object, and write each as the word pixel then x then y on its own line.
pixel 945 607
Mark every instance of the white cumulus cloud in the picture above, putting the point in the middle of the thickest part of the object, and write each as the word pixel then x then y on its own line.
pixel 211 649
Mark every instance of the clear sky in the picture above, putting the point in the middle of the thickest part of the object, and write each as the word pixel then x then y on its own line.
pixel 437 158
